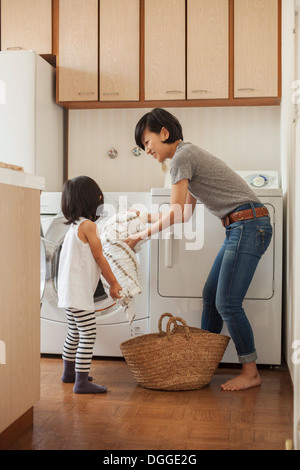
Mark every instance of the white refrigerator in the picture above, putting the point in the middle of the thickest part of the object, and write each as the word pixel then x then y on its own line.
pixel 31 123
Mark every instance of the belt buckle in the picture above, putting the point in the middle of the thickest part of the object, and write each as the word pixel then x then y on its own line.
pixel 239 215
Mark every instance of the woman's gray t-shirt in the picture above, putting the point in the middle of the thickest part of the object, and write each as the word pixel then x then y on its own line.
pixel 210 180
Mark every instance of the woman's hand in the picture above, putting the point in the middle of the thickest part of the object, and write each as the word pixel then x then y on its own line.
pixel 136 212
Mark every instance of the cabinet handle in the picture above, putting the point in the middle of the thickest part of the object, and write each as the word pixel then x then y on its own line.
pixel 110 93
pixel 174 91
pixel 86 93
pixel 199 91
pixel 13 48
pixel 246 89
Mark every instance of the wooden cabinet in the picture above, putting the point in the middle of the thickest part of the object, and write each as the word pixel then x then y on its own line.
pixel 255 48
pixel 164 49
pixel 26 25
pixel 119 50
pixel 117 75
pixel 169 53
pixel 78 50
pixel 207 49
pixel 20 304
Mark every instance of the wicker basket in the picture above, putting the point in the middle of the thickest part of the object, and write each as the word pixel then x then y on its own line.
pixel 181 358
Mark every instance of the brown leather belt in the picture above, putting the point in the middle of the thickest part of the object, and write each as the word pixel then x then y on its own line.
pixel 244 215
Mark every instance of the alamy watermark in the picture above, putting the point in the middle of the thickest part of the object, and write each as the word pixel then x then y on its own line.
pixel 296 92
pixel 190 230
pixel 296 353
pixel 2 92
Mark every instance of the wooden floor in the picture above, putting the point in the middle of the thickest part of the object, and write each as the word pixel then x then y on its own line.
pixel 129 417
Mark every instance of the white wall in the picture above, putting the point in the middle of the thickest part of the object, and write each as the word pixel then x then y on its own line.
pixel 246 138
pixel 296 316
pixel 290 165
pixel 288 172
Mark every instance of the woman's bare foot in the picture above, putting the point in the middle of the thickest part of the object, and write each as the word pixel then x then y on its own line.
pixel 248 378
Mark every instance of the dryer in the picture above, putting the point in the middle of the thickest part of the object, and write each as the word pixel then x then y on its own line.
pixel 181 258
pixel 112 326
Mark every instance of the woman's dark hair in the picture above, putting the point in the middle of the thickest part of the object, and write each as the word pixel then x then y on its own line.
pixel 81 198
pixel 154 121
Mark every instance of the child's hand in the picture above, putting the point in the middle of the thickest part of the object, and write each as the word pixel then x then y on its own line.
pixel 115 290
pixel 133 240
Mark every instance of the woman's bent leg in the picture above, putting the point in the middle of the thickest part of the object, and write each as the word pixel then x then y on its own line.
pixel 211 319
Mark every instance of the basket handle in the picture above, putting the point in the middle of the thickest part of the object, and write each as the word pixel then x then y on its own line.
pixel 174 320
pixel 160 321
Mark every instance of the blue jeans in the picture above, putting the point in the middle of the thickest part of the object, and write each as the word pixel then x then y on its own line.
pixel 229 280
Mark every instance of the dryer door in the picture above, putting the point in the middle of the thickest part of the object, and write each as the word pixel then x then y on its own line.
pixel 186 254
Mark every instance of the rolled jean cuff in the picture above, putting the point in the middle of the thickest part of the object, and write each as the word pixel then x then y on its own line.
pixel 248 358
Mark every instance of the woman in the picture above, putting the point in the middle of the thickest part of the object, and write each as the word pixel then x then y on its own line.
pixel 198 175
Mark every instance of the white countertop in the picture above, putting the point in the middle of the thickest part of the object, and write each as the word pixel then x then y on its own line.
pixel 19 178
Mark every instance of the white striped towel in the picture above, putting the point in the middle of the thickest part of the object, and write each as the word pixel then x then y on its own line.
pixel 122 259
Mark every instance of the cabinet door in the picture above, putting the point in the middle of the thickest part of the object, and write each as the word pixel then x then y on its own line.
pixel 119 50
pixel 78 50
pixel 26 25
pixel 164 49
pixel 255 48
pixel 207 49
pixel 20 302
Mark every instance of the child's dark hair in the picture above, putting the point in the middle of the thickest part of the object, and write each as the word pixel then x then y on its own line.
pixel 81 196
pixel 154 121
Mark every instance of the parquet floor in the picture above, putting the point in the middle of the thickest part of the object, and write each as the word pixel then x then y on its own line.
pixel 129 417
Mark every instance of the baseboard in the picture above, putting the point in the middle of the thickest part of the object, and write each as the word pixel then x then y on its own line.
pixel 16 429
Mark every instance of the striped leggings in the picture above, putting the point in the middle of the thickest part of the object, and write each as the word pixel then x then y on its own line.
pixel 80 339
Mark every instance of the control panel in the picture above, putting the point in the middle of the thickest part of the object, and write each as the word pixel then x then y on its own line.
pixel 260 179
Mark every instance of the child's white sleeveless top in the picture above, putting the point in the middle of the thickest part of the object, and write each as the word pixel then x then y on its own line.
pixel 78 272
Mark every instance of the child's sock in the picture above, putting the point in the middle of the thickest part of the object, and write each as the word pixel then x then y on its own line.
pixel 69 372
pixel 82 385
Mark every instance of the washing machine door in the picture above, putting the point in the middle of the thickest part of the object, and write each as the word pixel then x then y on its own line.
pixel 53 231
pixel 49 263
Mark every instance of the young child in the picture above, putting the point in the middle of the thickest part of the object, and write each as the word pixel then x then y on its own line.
pixel 81 263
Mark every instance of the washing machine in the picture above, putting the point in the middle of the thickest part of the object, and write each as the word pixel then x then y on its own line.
pixel 111 323
pixel 182 256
